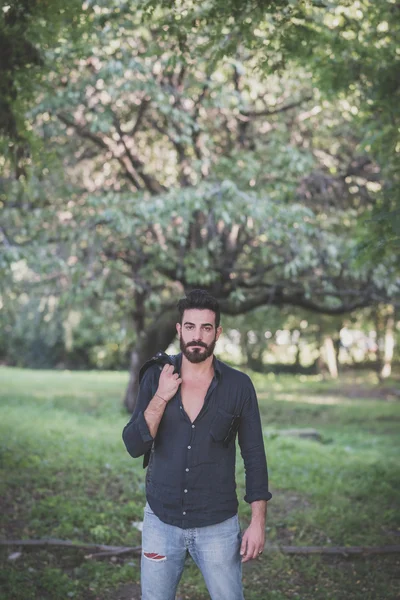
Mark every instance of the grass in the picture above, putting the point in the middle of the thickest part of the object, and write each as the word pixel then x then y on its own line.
pixel 65 474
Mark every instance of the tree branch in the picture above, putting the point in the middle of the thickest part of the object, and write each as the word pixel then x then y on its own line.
pixel 247 115
pixel 179 147
pixel 137 165
pixel 139 119
pixel 133 169
pixel 276 296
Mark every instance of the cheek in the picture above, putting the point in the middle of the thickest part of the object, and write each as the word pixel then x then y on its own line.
pixel 185 337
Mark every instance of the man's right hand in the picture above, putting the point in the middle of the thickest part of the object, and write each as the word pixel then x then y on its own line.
pixel 168 384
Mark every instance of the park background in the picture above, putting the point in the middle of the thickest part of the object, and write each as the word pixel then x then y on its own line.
pixel 249 148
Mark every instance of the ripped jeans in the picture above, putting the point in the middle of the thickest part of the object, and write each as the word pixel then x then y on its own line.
pixel 215 549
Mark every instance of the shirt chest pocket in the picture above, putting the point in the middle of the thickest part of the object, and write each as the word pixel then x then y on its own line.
pixel 224 427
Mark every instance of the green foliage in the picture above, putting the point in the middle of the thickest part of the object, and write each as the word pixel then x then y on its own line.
pixel 176 157
pixel 350 48
pixel 28 28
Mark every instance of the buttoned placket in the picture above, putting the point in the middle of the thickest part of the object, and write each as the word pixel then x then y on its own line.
pixel 184 414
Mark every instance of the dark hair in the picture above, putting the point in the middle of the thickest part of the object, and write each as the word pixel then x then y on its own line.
pixel 201 300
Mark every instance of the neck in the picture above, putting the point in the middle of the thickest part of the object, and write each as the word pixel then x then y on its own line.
pixel 196 370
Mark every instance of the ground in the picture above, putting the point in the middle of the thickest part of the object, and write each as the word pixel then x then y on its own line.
pixel 65 474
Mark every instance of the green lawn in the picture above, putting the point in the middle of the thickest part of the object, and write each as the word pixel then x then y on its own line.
pixel 65 474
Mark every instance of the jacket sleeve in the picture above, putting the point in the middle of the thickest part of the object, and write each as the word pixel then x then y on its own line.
pixel 251 444
pixel 136 434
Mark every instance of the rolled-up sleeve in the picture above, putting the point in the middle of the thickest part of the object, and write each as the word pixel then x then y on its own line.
pixel 251 444
pixel 136 435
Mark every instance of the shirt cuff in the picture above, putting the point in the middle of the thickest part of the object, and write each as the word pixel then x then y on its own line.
pixel 249 498
pixel 143 428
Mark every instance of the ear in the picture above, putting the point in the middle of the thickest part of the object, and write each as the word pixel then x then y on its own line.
pixel 218 332
pixel 178 329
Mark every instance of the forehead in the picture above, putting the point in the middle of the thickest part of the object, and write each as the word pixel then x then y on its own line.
pixel 199 316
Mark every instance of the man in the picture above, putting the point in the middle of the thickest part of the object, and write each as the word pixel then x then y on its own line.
pixel 189 420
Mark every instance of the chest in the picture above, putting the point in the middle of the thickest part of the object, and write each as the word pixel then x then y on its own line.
pixel 193 393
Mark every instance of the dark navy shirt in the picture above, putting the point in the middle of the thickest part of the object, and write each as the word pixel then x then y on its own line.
pixel 190 481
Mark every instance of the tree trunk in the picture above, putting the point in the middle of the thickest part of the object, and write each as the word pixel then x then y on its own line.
pixel 153 339
pixel 320 363
pixel 388 344
pixel 378 328
pixel 330 356
pixel 337 344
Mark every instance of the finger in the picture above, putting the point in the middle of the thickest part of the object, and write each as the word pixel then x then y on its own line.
pixel 166 368
pixel 246 558
pixel 249 551
pixel 243 547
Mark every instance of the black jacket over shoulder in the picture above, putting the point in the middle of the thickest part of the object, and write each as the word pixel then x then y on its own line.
pixel 190 481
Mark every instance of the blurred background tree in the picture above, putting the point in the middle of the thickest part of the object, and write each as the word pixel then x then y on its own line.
pixel 247 148
pixel 350 50
pixel 28 30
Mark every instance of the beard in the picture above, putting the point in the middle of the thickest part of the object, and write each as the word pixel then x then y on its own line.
pixel 197 355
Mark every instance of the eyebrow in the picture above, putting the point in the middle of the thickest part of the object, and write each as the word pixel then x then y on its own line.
pixel 202 324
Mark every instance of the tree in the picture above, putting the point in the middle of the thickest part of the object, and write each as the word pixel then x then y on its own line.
pixel 167 188
pixel 28 28
pixel 350 49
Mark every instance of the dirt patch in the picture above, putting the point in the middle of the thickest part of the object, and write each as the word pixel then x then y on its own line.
pixel 128 591
pixel 280 509
pixel 12 523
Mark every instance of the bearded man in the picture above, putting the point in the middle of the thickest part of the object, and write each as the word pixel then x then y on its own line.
pixel 188 415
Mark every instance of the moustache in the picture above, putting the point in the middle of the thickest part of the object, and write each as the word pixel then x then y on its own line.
pixel 201 344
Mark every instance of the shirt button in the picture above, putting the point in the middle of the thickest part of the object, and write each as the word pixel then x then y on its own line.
pixel 184 513
pixel 193 426
pixel 187 470
pixel 185 491
pixel 189 447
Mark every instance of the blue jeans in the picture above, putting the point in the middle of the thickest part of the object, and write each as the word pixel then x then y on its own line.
pixel 215 549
